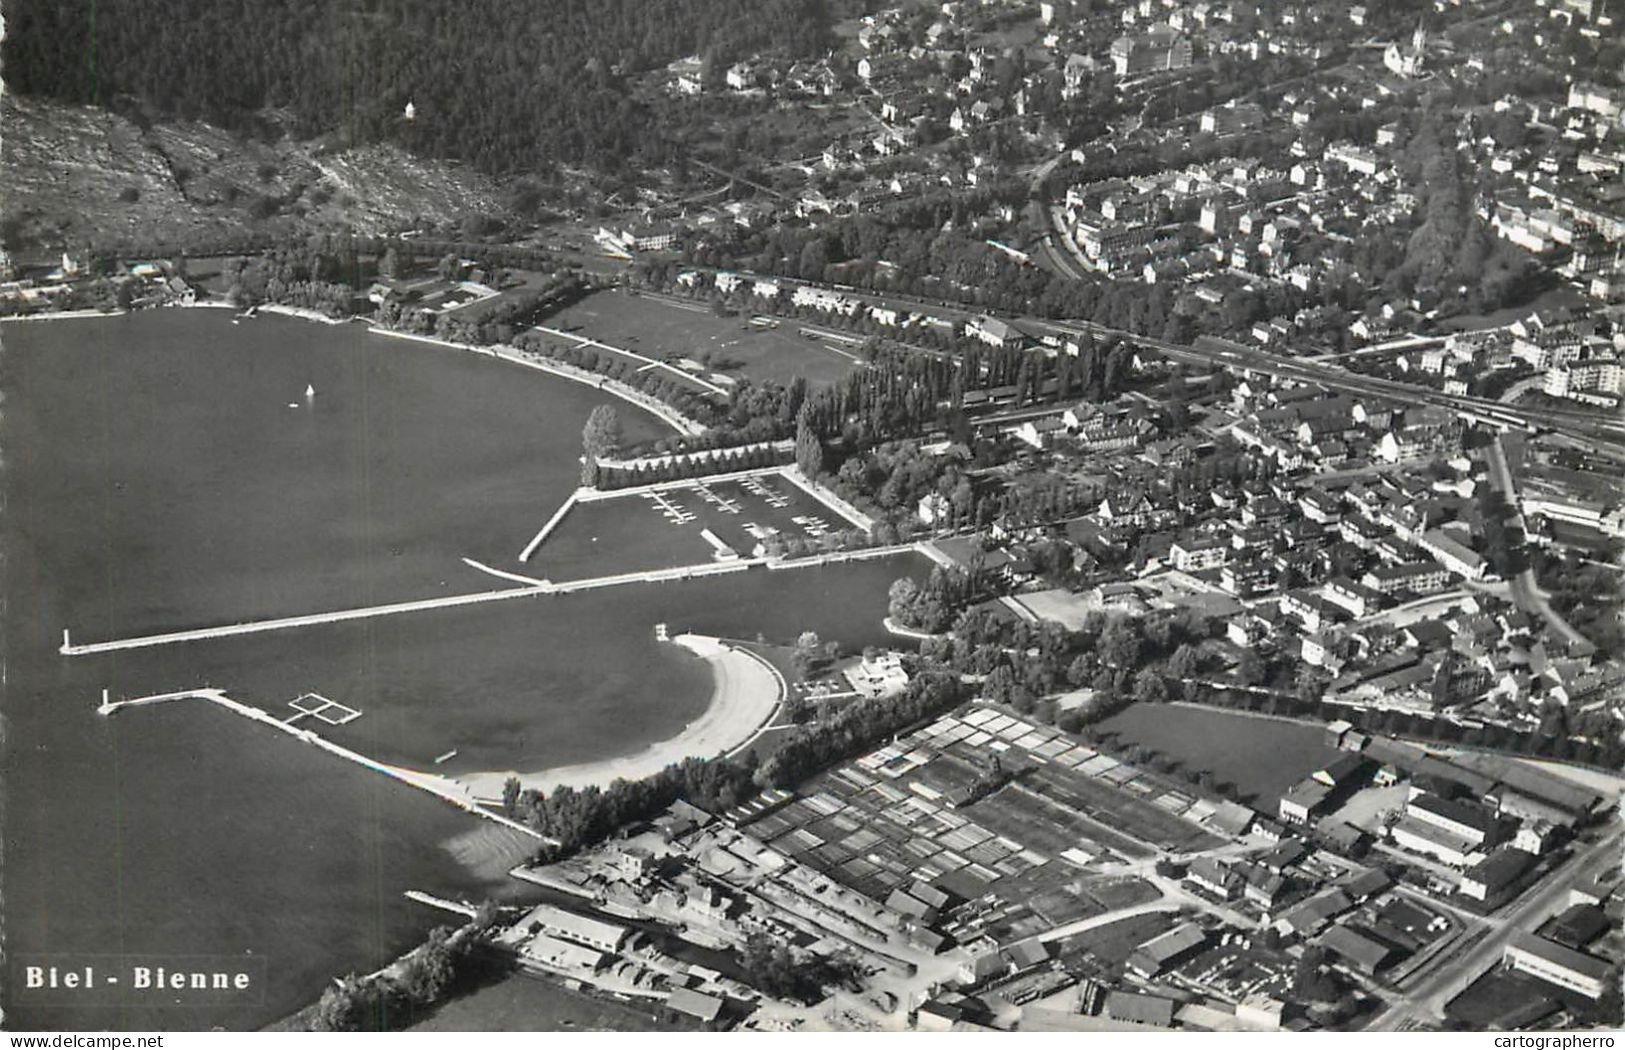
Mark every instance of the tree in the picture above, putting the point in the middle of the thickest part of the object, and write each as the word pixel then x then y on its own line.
pixel 1120 643
pixel 809 450
pixel 602 433
pixel 336 1010
pixel 1185 662
pixel 1080 671
pixel 1250 669
pixel 510 795
pixel 429 971
pixel 389 266
pixel 1149 687
pixel 809 653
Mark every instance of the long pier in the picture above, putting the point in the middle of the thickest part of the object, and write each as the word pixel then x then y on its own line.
pixel 533 588
pixel 283 623
pixel 437 786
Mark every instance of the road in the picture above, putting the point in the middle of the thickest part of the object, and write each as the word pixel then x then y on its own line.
pixel 1448 975
pixel 1524 588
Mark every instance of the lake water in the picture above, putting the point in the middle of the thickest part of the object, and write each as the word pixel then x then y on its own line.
pixel 157 479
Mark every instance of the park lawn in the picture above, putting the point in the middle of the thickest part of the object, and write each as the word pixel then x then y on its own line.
pixel 729 345
pixel 1262 757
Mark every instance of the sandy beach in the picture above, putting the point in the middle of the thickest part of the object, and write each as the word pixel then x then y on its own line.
pixel 745 692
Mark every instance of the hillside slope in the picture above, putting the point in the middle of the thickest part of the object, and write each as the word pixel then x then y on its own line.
pixel 76 175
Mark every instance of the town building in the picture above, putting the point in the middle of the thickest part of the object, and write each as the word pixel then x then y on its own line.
pixel 579 929
pixel 1576 971
pixel 1493 880
pixel 1167 949
pixel 1154 51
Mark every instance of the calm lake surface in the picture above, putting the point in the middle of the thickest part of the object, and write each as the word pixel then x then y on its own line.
pixel 157 479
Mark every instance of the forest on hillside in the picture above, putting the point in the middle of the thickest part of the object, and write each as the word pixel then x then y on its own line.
pixel 506 85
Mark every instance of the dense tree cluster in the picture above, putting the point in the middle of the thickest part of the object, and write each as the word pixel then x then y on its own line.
pixel 315 278
pixel 701 464
pixel 1119 659
pixel 784 972
pixel 1588 595
pixel 935 604
pixel 446 962
pixel 600 436
pixel 577 818
pixel 652 382
pixel 860 725
pixel 502 84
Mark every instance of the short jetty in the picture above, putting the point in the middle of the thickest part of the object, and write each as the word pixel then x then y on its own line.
pixel 547 529
pixel 457 907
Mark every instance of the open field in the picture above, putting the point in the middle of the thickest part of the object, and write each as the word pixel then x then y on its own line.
pixel 1263 757
pixel 664 529
pixel 528 1004
pixel 729 345
pixel 1497 994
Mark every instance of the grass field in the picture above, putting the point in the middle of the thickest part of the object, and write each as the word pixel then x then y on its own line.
pixel 1263 757
pixel 731 346
pixel 527 1004
pixel 1493 996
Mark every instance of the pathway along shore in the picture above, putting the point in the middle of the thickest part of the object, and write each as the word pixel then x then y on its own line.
pixel 746 691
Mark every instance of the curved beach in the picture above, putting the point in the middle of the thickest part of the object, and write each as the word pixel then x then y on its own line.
pixel 745 692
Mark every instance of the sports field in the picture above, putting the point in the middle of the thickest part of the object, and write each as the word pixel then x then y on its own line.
pixel 731 346
pixel 1263 757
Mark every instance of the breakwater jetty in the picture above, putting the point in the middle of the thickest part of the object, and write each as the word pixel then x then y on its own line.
pixel 534 588
pixel 282 623
pixel 440 787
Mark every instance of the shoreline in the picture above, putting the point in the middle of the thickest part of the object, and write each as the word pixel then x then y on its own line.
pixel 659 409
pixel 64 315
pixel 655 407
pixel 746 692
